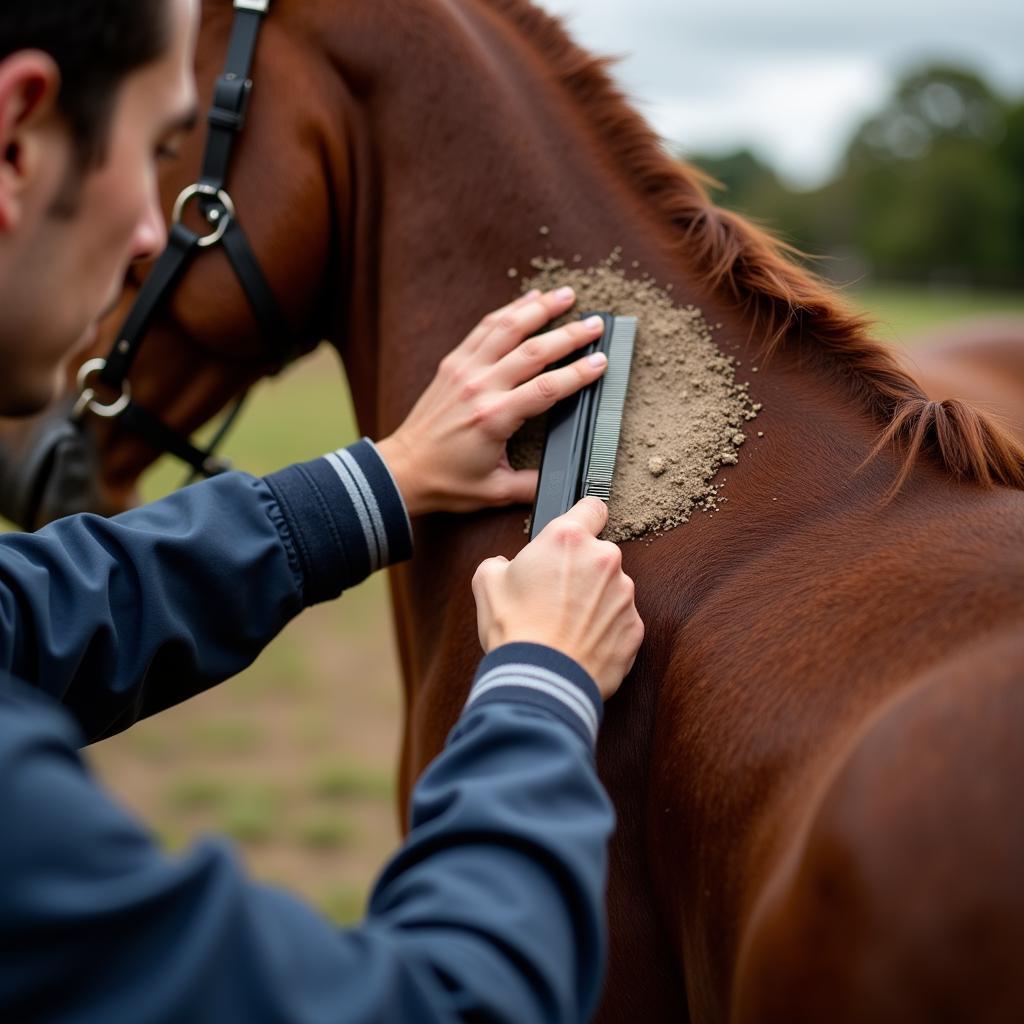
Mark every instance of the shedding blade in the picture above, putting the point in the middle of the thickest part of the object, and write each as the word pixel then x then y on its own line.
pixel 604 447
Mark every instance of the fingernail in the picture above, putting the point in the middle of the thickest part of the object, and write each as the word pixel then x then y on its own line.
pixel 564 294
pixel 593 322
pixel 597 359
pixel 530 296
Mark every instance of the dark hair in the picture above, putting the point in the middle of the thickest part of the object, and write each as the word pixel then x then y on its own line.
pixel 96 44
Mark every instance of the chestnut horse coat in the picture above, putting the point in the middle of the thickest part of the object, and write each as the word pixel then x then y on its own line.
pixel 815 761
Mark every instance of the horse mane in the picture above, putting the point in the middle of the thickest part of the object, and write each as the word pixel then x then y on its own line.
pixel 759 274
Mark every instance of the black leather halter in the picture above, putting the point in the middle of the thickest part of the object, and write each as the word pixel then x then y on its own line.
pixel 226 119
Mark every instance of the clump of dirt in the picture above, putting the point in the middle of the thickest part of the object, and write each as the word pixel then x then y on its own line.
pixel 684 411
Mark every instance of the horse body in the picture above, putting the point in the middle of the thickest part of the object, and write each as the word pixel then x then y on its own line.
pixel 797 640
pixel 712 790
pixel 802 648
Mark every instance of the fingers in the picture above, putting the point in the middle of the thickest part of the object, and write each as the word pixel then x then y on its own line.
pixel 528 359
pixel 590 513
pixel 507 328
pixel 519 487
pixel 486 575
pixel 536 396
pixel 482 329
pixel 485 570
pixel 489 565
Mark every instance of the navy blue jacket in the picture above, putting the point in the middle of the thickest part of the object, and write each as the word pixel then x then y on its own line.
pixel 492 910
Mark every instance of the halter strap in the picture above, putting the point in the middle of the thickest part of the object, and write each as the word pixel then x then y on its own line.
pixel 226 118
pixel 231 92
pixel 181 244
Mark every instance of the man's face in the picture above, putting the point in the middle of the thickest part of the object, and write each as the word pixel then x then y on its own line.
pixel 60 271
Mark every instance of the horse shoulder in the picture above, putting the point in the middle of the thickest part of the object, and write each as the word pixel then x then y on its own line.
pixel 904 897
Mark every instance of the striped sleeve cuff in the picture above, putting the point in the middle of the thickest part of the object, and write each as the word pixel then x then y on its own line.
pixel 543 677
pixel 342 517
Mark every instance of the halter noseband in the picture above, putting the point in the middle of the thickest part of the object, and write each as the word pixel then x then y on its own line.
pixel 226 119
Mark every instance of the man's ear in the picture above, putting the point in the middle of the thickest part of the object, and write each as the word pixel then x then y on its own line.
pixel 29 89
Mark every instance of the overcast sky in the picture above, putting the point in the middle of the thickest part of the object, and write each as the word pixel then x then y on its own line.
pixel 790 78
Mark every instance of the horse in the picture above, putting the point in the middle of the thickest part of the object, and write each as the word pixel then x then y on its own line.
pixel 814 761
pixel 980 360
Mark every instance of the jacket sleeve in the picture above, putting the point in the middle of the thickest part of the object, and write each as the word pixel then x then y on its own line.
pixel 120 618
pixel 491 911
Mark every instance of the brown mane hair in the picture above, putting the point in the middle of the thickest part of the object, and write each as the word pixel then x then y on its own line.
pixel 759 274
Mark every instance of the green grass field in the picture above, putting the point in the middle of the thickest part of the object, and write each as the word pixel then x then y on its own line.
pixel 295 758
pixel 902 313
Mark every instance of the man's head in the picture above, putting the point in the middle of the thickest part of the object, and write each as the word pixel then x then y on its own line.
pixel 92 93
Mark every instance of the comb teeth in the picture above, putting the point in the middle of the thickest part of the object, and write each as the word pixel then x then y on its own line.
pixel 605 445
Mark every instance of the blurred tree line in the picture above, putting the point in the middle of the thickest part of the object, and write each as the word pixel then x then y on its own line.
pixel 930 189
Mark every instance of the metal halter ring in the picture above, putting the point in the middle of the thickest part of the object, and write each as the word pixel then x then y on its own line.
pixel 87 398
pixel 218 217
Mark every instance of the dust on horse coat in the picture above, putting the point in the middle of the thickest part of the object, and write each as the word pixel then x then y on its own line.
pixel 815 761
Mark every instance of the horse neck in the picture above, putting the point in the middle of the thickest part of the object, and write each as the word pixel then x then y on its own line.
pixel 467 144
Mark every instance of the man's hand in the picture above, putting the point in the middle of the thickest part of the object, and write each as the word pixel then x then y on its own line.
pixel 567 590
pixel 449 455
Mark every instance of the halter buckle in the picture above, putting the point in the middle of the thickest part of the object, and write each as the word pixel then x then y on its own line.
pixel 230 102
pixel 87 396
pixel 220 218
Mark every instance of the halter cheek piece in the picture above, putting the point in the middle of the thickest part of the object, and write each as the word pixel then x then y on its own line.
pixel 226 119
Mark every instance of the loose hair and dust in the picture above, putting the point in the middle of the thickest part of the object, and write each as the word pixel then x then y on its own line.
pixel 685 411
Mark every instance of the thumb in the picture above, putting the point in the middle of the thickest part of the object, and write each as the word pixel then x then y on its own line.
pixel 591 514
pixel 521 486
